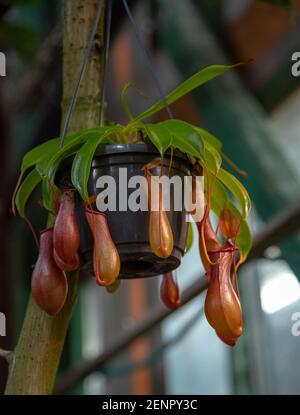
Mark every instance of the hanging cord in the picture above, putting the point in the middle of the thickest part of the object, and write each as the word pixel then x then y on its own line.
pixel 86 55
pixel 147 58
pixel 106 55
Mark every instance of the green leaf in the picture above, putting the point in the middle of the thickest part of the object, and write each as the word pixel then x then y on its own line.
pixel 33 156
pixel 159 135
pixel 47 194
pixel 47 167
pixel 219 197
pixel 48 157
pixel 185 87
pixel 185 138
pixel 209 138
pixel 237 189
pixel 212 159
pixel 25 190
pixel 46 150
pixel 244 240
pixel 190 238
pixel 219 201
pixel 81 166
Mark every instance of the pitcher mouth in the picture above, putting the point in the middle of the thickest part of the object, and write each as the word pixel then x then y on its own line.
pixel 229 247
pixel 92 211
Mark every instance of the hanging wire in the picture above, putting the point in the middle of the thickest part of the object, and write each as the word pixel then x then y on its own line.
pixel 106 55
pixel 86 55
pixel 147 58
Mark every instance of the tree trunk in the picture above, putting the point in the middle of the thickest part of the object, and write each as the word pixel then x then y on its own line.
pixel 36 358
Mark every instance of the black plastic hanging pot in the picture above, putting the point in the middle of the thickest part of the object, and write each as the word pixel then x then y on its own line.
pixel 129 230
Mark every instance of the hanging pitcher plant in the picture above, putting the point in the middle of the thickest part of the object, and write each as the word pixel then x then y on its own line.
pixel 221 249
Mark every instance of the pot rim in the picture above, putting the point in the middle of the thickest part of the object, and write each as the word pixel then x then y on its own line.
pixel 121 148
